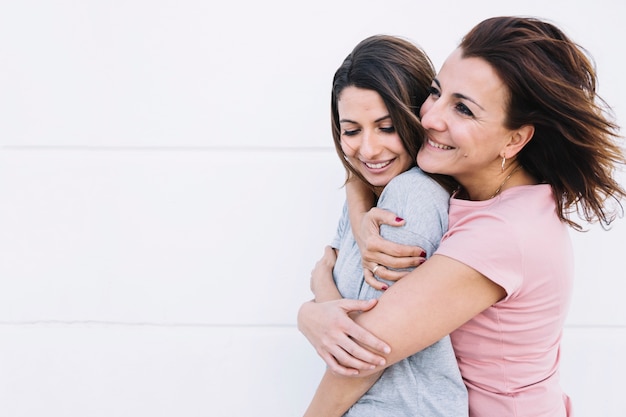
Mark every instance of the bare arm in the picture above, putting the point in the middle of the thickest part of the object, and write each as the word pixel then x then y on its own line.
pixel 360 200
pixel 322 284
pixel 326 404
pixel 429 303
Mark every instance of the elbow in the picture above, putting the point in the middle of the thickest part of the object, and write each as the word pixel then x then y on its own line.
pixel 371 375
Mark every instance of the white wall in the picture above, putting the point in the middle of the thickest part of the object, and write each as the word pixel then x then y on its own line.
pixel 167 182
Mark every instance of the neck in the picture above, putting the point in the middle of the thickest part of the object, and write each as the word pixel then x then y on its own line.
pixel 483 191
pixel 508 177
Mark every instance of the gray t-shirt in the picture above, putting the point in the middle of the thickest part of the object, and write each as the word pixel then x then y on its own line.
pixel 428 383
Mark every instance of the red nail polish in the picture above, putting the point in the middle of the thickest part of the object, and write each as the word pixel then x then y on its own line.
pixel 399 219
pixel 423 254
pixel 384 288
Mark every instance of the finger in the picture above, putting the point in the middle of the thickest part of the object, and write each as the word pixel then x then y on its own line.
pixel 378 244
pixel 382 216
pixel 378 250
pixel 368 305
pixel 363 337
pixel 374 269
pixel 398 263
pixel 348 360
pixel 335 367
pixel 396 274
pixel 329 257
pixel 379 271
pixel 391 274
pixel 371 258
pixel 373 282
pixel 329 251
pixel 350 305
pixel 372 344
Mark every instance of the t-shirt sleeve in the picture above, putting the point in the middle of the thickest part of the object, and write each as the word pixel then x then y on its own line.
pixel 422 203
pixel 493 250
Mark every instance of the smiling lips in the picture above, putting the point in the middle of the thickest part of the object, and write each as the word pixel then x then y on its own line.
pixel 378 165
pixel 439 145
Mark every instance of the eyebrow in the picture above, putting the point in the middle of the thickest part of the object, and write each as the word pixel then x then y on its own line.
pixel 459 95
pixel 380 119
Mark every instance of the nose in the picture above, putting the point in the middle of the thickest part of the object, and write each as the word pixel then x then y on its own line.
pixel 432 115
pixel 370 144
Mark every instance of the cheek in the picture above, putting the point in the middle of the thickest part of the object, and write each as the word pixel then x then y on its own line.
pixel 407 163
pixel 348 148
pixel 395 145
pixel 405 160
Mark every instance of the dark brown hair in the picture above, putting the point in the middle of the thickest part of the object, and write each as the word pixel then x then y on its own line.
pixel 552 86
pixel 401 73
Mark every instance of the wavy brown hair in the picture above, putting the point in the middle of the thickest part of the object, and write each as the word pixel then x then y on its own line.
pixel 552 85
pixel 401 73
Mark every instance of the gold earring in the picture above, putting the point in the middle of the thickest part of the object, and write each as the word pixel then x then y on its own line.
pixel 503 162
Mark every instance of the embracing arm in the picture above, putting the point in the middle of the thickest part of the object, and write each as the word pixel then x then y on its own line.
pixel 322 283
pixel 429 303
pixel 360 199
pixel 366 220
pixel 326 402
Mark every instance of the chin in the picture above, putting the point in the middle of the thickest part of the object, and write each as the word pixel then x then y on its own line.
pixel 377 182
pixel 425 166
pixel 429 166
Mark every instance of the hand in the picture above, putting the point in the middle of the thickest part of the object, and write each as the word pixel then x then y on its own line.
pixel 321 275
pixel 380 254
pixel 345 346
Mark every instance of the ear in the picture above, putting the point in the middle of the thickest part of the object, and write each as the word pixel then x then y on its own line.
pixel 520 138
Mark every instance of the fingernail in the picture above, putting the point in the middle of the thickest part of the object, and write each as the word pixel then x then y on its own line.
pixel 399 219
pixel 384 288
pixel 387 349
pixel 423 254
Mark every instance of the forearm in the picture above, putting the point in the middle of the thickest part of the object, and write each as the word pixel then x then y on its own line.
pixel 360 199
pixel 325 288
pixel 336 394
pixel 323 284
pixel 429 303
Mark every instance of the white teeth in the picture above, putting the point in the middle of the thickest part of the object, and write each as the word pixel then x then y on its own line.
pixel 439 145
pixel 378 166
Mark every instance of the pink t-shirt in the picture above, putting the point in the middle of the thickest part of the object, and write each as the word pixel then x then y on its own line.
pixel 509 354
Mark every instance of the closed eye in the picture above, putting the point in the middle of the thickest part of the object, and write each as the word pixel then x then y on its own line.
pixel 463 109
pixel 350 132
pixel 433 91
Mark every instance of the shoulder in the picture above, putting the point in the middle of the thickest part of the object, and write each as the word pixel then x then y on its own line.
pixel 412 177
pixel 515 205
pixel 422 202
pixel 499 238
pixel 415 183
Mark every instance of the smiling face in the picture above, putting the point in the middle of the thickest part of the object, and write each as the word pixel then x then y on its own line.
pixel 464 117
pixel 368 137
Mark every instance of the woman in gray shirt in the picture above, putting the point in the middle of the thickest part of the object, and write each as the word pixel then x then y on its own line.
pixel 376 95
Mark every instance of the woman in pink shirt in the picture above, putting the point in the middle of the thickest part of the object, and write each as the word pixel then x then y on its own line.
pixel 514 118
